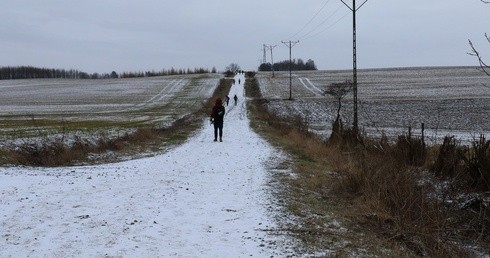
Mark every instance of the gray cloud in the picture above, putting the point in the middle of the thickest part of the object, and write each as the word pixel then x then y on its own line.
pixel 101 36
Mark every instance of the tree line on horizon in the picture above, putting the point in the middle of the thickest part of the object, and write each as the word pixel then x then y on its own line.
pixel 296 65
pixel 164 72
pixel 30 72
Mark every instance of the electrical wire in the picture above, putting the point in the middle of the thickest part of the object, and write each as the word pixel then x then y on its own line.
pixel 322 23
pixel 317 30
pixel 312 18
pixel 330 26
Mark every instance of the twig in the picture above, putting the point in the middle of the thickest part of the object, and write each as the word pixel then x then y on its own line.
pixel 474 52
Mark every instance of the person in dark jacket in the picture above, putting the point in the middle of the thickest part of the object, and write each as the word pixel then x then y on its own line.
pixel 227 100
pixel 217 116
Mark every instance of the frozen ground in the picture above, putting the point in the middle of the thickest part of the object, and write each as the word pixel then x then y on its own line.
pixel 448 100
pixel 201 199
pixel 152 100
pixel 63 108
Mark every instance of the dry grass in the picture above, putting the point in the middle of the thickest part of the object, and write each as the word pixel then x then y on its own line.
pixel 57 152
pixel 381 191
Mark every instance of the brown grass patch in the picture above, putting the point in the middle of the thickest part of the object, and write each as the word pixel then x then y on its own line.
pixel 383 192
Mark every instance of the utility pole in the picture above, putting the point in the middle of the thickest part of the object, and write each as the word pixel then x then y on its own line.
pixel 354 57
pixel 290 44
pixel 272 59
pixel 264 60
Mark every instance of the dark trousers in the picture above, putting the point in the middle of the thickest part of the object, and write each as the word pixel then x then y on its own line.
pixel 218 127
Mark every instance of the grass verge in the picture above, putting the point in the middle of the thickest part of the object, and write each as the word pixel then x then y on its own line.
pixel 388 203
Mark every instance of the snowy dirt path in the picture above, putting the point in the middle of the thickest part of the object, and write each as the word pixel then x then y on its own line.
pixel 201 199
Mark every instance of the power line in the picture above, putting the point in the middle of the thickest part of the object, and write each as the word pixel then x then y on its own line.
pixel 307 35
pixel 317 30
pixel 312 18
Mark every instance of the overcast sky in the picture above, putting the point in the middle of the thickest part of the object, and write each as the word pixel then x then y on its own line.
pixel 139 35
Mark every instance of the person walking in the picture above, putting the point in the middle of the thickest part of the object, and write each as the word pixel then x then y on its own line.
pixel 227 100
pixel 217 117
pixel 236 99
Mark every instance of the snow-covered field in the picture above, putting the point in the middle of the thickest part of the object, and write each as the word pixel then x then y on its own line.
pixel 31 110
pixel 153 100
pixel 448 100
pixel 201 199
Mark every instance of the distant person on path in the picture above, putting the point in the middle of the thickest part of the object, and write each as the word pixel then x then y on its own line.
pixel 239 81
pixel 217 116
pixel 227 100
pixel 236 99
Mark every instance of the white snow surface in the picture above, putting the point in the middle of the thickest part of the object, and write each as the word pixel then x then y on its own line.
pixel 200 199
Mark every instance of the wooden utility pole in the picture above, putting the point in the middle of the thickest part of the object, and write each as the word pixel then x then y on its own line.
pixel 354 57
pixel 290 44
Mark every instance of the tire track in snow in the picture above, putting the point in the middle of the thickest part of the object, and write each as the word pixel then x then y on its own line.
pixel 168 90
pixel 310 86
pixel 165 93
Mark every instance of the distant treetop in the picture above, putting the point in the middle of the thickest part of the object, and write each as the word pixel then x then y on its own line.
pixel 296 65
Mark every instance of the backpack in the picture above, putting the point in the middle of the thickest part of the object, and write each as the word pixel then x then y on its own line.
pixel 220 113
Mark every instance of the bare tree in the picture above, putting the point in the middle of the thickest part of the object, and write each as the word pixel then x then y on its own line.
pixel 474 52
pixel 339 91
pixel 233 67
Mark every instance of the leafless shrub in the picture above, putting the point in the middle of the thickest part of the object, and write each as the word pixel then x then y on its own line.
pixel 479 164
pixel 410 150
pixel 392 199
pixel 451 158
pixel 46 153
pixel 345 136
pixel 339 91
pixel 233 68
pixel 466 167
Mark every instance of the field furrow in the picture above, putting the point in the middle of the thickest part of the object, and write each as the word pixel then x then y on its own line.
pixel 448 100
pixel 49 104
